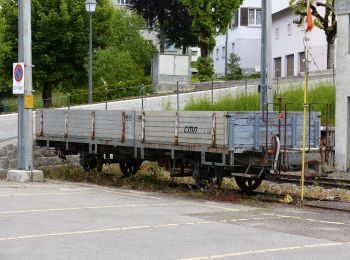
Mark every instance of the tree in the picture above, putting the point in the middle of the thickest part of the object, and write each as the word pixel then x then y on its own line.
pixel 60 30
pixel 60 33
pixel 324 19
pixel 234 67
pixel 169 18
pixel 128 56
pixel 4 53
pixel 60 42
pixel 8 44
pixel 178 28
pixel 155 13
pixel 210 18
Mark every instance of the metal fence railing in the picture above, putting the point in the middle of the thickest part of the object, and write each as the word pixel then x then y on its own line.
pixel 80 98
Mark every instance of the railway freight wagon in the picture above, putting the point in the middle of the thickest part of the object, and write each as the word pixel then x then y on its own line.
pixel 205 145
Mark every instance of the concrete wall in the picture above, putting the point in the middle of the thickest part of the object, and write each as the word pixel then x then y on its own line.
pixel 43 158
pixel 342 122
pixel 168 69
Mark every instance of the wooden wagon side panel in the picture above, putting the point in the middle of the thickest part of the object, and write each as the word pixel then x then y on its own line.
pixel 114 125
pixel 208 128
pixel 51 122
pixel 182 127
pixel 80 123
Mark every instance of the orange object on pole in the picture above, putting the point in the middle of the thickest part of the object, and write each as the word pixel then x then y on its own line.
pixel 309 19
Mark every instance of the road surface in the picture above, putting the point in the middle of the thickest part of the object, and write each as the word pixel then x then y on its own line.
pixel 56 220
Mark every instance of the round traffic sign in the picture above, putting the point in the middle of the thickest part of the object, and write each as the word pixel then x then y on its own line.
pixel 18 73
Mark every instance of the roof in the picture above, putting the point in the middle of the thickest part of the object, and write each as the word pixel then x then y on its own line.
pixel 284 11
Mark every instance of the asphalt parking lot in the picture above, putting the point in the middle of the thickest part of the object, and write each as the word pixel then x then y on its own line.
pixel 57 220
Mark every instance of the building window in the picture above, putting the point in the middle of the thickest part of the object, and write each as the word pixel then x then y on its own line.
pixel 278 67
pixel 223 52
pixel 290 65
pixel 122 2
pixel 217 54
pixel 289 29
pixel 302 62
pixel 254 17
pixel 233 47
pixel 277 33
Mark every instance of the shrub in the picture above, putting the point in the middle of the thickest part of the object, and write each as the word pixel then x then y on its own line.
pixel 233 66
pixel 205 69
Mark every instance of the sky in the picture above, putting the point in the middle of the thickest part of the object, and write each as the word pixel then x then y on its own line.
pixel 278 5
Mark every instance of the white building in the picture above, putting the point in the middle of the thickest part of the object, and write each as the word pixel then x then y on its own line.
pixel 244 36
pixel 288 51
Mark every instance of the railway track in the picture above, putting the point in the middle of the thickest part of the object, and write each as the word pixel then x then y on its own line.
pixel 324 182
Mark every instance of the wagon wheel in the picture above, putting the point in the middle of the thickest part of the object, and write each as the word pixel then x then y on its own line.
pixel 208 178
pixel 99 163
pixel 248 185
pixel 88 161
pixel 130 167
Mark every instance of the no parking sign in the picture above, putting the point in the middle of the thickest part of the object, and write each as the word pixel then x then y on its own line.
pixel 18 78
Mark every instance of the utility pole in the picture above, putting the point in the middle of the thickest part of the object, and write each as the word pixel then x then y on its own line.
pixel 226 50
pixel 269 55
pixel 90 60
pixel 28 91
pixel 263 56
pixel 25 171
pixel 20 133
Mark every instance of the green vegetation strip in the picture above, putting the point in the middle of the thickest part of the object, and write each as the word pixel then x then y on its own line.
pixel 294 98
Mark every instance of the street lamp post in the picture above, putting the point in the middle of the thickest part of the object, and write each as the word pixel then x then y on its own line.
pixel 90 8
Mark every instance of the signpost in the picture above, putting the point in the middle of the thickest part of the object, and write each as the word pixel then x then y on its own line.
pixel 18 79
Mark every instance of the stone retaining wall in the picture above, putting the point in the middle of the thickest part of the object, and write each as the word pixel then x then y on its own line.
pixel 42 158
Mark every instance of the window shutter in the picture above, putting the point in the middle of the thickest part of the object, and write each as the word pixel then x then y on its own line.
pixel 244 16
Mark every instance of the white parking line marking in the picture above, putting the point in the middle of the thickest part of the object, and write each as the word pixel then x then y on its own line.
pixel 107 230
pixel 284 216
pixel 216 207
pixel 174 225
pixel 258 218
pixel 130 194
pixel 82 208
pixel 72 233
pixel 312 220
pixel 326 222
pixel 39 194
pixel 167 225
pixel 268 250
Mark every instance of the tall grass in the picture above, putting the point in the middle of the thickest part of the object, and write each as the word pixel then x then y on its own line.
pixel 318 97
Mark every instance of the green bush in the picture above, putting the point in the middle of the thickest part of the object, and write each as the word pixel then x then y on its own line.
pixel 233 66
pixel 205 69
